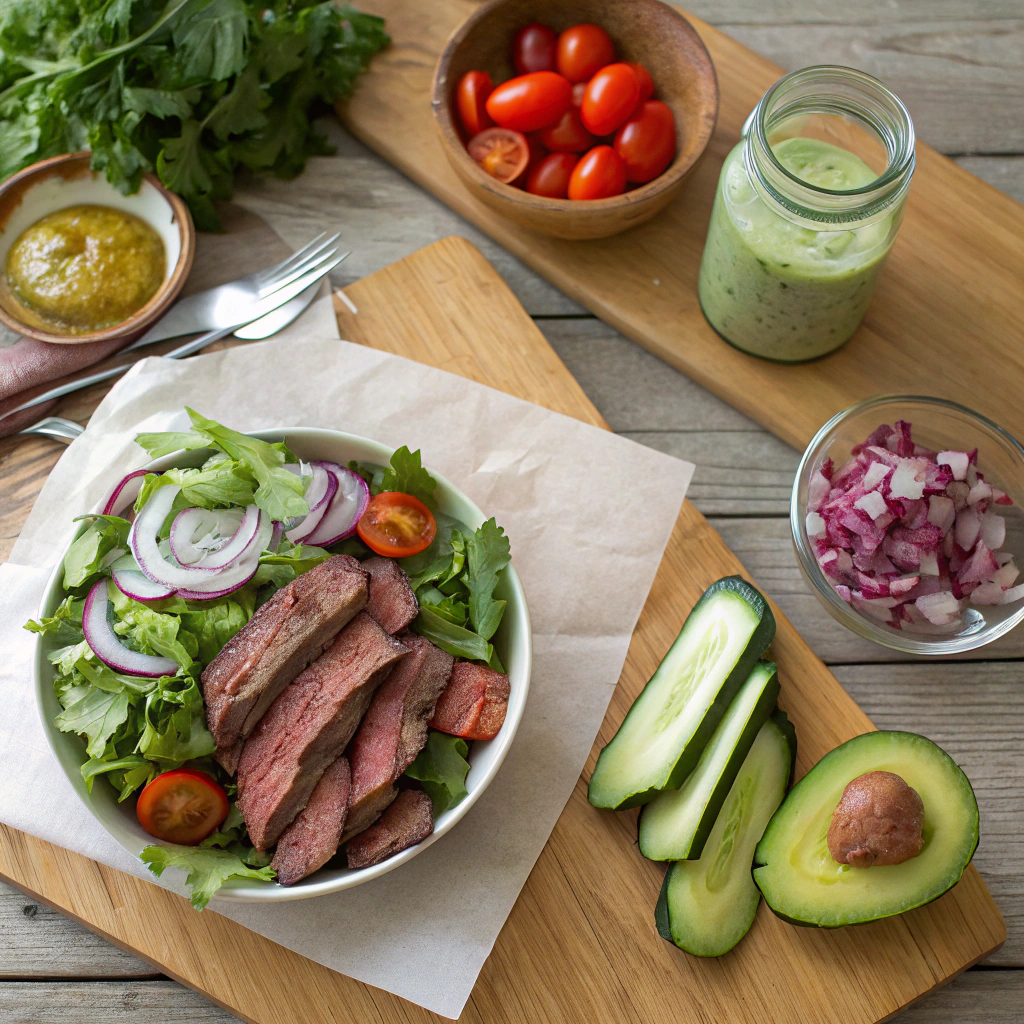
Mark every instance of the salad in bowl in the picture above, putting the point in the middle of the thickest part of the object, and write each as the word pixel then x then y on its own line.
pixel 282 662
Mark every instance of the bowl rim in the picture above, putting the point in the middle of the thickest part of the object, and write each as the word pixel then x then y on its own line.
pixel 440 106
pixel 168 291
pixel 896 640
pixel 271 892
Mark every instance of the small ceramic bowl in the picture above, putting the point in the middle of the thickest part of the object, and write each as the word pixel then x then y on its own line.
pixel 63 181
pixel 512 642
pixel 939 425
pixel 646 32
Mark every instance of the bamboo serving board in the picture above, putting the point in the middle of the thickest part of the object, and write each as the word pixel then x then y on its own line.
pixel 580 944
pixel 945 319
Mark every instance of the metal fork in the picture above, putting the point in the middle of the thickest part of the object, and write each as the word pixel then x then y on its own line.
pixel 219 307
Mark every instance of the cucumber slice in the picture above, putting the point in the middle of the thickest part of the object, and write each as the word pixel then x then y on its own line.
pixel 706 906
pixel 676 824
pixel 670 723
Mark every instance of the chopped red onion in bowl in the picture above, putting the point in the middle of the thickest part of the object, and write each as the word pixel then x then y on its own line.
pixel 908 536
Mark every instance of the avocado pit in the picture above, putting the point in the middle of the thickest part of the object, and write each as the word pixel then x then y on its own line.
pixel 878 821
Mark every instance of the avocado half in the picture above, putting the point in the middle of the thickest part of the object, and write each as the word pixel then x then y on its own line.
pixel 803 884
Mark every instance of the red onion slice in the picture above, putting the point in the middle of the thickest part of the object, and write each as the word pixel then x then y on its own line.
pixel 229 579
pixel 124 493
pixel 319 495
pixel 134 583
pixel 346 508
pixel 107 646
pixel 222 536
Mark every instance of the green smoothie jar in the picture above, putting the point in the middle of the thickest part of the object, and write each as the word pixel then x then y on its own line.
pixel 807 209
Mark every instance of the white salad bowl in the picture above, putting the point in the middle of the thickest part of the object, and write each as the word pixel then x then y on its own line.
pixel 512 641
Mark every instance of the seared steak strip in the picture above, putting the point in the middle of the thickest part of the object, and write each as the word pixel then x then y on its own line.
pixel 392 602
pixel 308 726
pixel 312 839
pixel 408 820
pixel 394 730
pixel 474 702
pixel 276 644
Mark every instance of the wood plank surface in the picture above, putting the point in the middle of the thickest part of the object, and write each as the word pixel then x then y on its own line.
pixel 448 307
pixel 952 287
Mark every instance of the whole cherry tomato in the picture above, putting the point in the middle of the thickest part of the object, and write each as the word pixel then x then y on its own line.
pixel 537 153
pixel 647 142
pixel 551 176
pixel 568 136
pixel 579 90
pixel 582 51
pixel 610 98
pixel 644 80
pixel 533 49
pixel 599 174
pixel 470 101
pixel 529 102
pixel 502 153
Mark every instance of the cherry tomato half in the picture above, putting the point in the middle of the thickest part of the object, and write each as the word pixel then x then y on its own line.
pixel 644 80
pixel 599 174
pixel 397 525
pixel 529 102
pixel 471 99
pixel 569 135
pixel 182 806
pixel 533 49
pixel 537 153
pixel 610 98
pixel 582 51
pixel 551 176
pixel 647 142
pixel 502 153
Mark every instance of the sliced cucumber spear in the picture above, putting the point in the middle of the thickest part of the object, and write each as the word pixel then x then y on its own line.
pixel 706 906
pixel 676 824
pixel 670 723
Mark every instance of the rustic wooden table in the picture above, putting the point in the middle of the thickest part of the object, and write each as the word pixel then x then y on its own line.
pixel 959 65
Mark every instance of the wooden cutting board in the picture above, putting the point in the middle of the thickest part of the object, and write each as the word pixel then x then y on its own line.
pixel 580 944
pixel 945 320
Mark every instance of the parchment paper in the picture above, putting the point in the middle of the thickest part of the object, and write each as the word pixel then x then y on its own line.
pixel 588 515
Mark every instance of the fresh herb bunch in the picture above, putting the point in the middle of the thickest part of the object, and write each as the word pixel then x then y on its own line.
pixel 191 88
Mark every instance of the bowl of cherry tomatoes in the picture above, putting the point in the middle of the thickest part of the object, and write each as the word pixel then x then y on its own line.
pixel 575 118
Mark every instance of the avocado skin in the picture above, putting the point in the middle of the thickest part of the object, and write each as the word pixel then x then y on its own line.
pixel 661 909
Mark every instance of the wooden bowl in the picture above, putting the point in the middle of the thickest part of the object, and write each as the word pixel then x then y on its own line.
pixel 62 181
pixel 646 32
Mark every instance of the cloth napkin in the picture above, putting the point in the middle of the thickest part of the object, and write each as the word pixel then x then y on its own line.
pixel 29 367
pixel 588 515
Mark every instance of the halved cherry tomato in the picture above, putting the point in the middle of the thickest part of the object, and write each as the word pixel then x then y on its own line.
pixel 610 98
pixel 551 176
pixel 569 135
pixel 529 102
pixel 599 174
pixel 182 806
pixel 470 101
pixel 647 142
pixel 582 51
pixel 397 525
pixel 537 153
pixel 502 153
pixel 644 80
pixel 533 49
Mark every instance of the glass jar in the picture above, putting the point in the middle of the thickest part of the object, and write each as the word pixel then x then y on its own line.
pixel 807 209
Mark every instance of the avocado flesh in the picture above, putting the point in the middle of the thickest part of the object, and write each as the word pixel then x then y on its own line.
pixel 796 873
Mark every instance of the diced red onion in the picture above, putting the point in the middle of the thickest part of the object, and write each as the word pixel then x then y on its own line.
pixel 126 491
pixel 346 507
pixel 107 646
pixel 957 462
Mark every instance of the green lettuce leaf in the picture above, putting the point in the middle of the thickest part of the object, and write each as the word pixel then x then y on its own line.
pixel 456 640
pixel 206 868
pixel 168 441
pixel 487 553
pixel 406 474
pixel 441 767
pixel 85 558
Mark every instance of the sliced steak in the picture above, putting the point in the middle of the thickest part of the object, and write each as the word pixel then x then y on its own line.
pixel 394 730
pixel 474 702
pixel 392 602
pixel 408 820
pixel 288 632
pixel 308 726
pixel 312 839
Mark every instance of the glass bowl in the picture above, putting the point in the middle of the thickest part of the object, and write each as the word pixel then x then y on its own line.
pixel 940 425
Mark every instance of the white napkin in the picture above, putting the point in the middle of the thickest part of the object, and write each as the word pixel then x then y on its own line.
pixel 588 515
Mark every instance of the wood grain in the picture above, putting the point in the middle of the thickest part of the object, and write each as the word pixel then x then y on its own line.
pixel 951 291
pixel 580 943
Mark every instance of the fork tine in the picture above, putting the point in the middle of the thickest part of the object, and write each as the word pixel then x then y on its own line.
pixel 268 271
pixel 312 263
pixel 310 249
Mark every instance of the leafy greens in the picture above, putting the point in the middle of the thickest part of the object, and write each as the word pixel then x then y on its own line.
pixel 192 89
